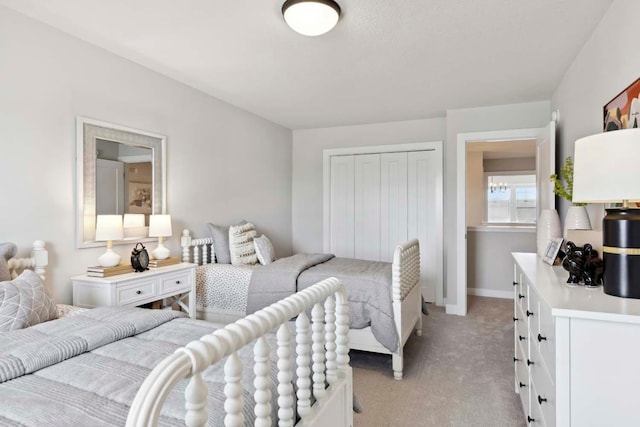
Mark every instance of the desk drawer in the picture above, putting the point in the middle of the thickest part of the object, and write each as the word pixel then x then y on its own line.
pixel 135 292
pixel 175 282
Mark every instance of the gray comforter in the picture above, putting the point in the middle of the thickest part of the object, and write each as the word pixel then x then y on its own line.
pixel 86 369
pixel 368 286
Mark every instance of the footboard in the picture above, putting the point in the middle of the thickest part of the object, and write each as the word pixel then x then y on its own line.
pixel 406 269
pixel 321 366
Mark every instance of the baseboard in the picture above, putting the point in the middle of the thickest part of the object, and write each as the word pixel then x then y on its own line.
pixel 451 309
pixel 490 293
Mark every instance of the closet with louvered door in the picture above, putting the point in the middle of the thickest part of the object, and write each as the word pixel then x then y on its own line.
pixel 378 197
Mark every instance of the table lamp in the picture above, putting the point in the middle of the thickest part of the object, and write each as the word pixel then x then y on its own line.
pixel 606 170
pixel 133 226
pixel 160 226
pixel 108 229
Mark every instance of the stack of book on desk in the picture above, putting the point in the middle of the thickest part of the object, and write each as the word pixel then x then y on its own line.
pixel 99 271
pixel 155 263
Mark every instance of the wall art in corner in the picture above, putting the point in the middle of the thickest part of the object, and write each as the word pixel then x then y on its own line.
pixel 140 198
pixel 623 111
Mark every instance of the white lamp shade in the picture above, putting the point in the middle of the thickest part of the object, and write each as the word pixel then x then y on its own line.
pixel 311 17
pixel 109 227
pixel 133 225
pixel 160 226
pixel 606 167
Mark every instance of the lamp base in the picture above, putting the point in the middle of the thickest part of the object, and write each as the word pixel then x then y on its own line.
pixel 621 252
pixel 109 258
pixel 161 252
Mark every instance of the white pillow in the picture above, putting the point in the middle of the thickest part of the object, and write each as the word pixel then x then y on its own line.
pixel 264 250
pixel 24 301
pixel 241 246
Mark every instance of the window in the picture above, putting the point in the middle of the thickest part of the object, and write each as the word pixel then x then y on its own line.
pixel 511 199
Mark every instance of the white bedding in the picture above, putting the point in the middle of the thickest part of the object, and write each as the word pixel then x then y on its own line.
pixel 223 286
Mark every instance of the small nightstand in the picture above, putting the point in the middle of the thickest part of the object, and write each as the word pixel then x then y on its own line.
pixel 173 283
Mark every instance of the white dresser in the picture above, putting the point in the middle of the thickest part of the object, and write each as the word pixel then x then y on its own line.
pixel 174 284
pixel 577 350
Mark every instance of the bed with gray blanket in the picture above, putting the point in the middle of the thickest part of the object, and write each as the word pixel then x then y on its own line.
pixel 86 369
pixel 385 302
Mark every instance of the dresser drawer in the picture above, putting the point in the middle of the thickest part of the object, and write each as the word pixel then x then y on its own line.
pixel 543 390
pixel 523 294
pixel 545 339
pixel 535 417
pixel 522 383
pixel 175 282
pixel 134 292
pixel 522 331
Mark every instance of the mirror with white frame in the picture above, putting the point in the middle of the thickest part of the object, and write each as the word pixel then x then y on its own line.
pixel 120 170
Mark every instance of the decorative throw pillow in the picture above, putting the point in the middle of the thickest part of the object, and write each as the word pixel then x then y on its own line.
pixel 24 301
pixel 7 251
pixel 241 246
pixel 264 250
pixel 220 235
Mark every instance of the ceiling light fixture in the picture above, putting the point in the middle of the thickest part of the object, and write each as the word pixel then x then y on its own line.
pixel 311 17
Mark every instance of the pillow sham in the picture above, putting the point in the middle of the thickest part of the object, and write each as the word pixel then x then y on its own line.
pixel 220 236
pixel 7 251
pixel 264 250
pixel 241 246
pixel 24 301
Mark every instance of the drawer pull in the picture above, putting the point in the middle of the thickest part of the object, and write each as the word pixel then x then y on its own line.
pixel 520 296
pixel 529 362
pixel 515 359
pixel 530 420
pixel 521 338
pixel 541 338
pixel 138 292
pixel 177 282
pixel 515 283
pixel 522 385
pixel 515 319
pixel 529 313
pixel 541 399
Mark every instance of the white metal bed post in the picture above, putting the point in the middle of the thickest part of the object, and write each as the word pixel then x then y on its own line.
pixel 195 357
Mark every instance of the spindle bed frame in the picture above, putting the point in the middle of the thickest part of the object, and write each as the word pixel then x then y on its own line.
pixel 406 297
pixel 324 383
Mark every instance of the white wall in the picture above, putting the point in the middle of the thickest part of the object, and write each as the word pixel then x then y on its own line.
pixel 307 166
pixel 489 262
pixel 510 165
pixel 223 164
pixel 475 188
pixel 604 67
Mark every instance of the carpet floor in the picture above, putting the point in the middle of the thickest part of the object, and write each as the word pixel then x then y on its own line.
pixel 458 373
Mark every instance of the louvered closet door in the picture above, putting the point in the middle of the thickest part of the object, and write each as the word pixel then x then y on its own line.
pixel 424 214
pixel 367 207
pixel 393 203
pixel 342 206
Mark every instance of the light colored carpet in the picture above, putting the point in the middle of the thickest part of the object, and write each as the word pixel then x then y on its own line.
pixel 459 373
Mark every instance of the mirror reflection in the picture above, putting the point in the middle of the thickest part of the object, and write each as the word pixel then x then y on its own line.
pixel 120 171
pixel 124 179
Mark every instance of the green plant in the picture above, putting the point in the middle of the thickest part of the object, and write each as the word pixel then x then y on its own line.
pixel 560 189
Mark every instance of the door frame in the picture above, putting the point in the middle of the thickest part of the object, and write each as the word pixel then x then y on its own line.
pixel 460 307
pixel 436 146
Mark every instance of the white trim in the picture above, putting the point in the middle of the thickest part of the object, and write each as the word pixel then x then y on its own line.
pixel 135 159
pixel 461 202
pixel 491 293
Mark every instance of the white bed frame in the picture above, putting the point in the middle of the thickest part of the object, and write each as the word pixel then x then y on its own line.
pixel 406 297
pixel 324 383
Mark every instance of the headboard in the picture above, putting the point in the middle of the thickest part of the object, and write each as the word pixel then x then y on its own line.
pixel 38 260
pixel 198 251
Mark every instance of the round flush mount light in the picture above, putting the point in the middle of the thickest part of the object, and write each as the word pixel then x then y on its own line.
pixel 311 17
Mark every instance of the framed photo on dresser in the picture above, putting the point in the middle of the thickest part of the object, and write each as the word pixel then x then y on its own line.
pixel 553 248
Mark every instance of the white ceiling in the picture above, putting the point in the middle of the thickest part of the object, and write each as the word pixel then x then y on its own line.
pixel 385 60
